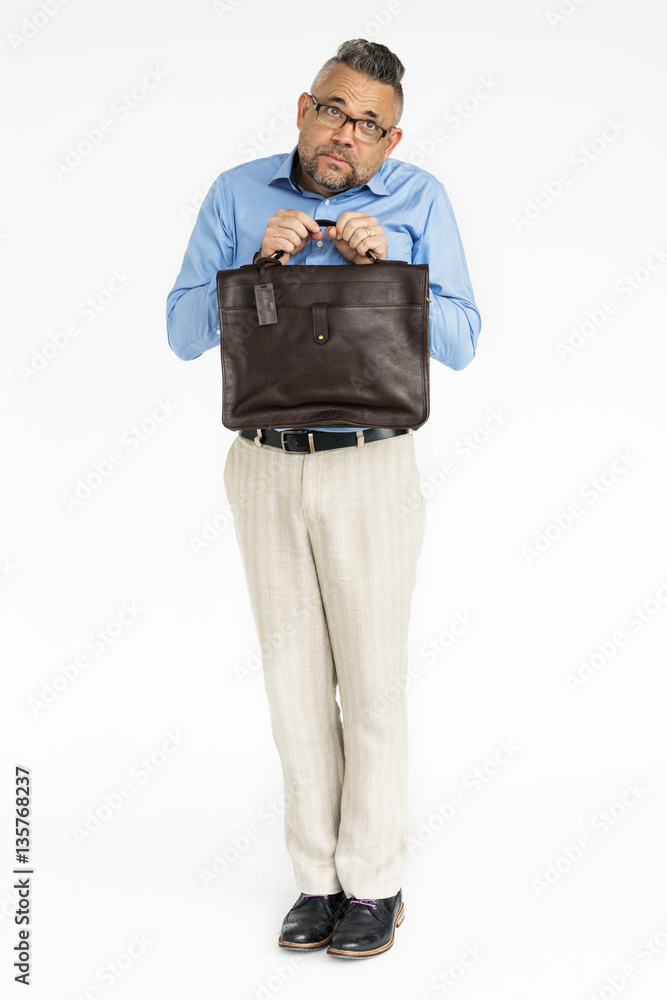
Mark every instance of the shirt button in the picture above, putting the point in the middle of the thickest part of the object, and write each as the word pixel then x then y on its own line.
pixel 319 243
pixel 326 202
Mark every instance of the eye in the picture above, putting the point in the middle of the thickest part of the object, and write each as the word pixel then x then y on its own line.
pixel 332 112
pixel 370 127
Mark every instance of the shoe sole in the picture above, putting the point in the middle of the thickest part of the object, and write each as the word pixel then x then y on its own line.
pixel 305 947
pixel 342 953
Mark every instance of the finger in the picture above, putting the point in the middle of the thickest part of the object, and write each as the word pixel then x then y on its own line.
pixel 304 224
pixel 291 228
pixel 286 226
pixel 367 245
pixel 361 239
pixel 356 228
pixel 288 245
pixel 347 222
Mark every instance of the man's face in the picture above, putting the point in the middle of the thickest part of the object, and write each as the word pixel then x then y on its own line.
pixel 333 160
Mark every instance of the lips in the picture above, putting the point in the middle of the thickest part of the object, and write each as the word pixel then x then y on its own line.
pixel 334 159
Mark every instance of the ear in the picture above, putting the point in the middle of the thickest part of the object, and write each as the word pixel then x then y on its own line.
pixel 393 140
pixel 302 106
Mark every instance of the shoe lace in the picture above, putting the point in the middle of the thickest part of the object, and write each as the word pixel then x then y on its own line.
pixel 365 902
pixel 309 895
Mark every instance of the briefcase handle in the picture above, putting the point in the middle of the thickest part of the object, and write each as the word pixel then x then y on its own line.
pixel 323 224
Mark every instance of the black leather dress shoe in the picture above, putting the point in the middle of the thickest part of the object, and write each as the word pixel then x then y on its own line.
pixel 309 924
pixel 367 927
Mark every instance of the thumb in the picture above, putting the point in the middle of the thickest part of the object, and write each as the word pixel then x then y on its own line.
pixel 331 233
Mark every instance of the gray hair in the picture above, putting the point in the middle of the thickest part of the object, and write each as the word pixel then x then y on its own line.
pixel 371 58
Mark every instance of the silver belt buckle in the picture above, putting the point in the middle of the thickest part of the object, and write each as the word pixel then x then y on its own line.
pixel 296 431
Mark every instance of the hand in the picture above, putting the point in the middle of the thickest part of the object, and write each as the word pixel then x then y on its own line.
pixel 289 230
pixel 351 239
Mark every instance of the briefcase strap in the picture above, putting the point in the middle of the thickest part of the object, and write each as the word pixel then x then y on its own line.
pixel 323 224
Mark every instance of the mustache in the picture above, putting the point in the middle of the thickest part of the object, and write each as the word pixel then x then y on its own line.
pixel 334 152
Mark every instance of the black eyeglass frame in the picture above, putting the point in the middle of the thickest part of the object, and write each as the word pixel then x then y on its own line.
pixel 348 118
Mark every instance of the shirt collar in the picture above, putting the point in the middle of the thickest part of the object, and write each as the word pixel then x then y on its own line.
pixel 287 171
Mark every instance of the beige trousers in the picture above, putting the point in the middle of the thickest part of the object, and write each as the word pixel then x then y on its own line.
pixel 329 543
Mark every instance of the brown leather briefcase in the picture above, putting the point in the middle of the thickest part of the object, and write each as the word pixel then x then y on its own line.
pixel 324 345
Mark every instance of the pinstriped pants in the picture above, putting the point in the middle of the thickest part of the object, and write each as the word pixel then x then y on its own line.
pixel 329 543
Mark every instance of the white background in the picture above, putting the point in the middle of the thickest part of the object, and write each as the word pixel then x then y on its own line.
pixel 187 662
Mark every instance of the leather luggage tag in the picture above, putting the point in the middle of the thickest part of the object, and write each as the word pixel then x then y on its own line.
pixel 266 305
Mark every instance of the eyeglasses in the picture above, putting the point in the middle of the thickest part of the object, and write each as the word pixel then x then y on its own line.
pixel 335 118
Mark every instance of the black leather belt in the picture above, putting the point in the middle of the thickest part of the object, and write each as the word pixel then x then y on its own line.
pixel 303 440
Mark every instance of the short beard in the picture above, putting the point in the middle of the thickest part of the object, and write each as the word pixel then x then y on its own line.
pixel 309 166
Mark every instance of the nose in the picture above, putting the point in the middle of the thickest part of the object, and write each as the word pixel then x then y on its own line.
pixel 345 134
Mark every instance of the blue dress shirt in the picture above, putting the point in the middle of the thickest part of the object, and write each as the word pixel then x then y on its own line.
pixel 410 204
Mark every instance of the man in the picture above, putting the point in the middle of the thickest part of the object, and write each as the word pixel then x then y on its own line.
pixel 330 537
